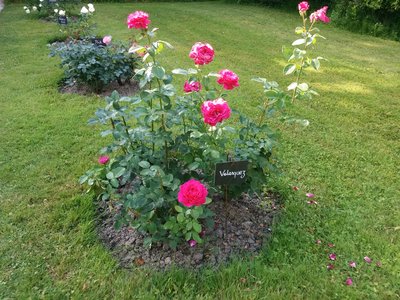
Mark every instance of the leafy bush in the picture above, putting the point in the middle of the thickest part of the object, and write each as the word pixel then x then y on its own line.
pixel 166 145
pixel 96 66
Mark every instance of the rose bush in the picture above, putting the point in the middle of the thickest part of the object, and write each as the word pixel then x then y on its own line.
pixel 160 177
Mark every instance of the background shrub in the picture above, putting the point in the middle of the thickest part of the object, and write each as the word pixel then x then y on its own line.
pixel 97 66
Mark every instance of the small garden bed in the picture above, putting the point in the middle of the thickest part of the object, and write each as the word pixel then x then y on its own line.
pixel 241 227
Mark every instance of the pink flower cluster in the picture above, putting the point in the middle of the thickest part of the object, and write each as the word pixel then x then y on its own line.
pixel 192 86
pixel 202 53
pixel 320 15
pixel 138 20
pixel 192 193
pixel 228 79
pixel 215 111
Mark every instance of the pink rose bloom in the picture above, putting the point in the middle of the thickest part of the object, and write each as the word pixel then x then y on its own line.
pixel 192 193
pixel 202 54
pixel 332 256
pixel 193 86
pixel 139 20
pixel 303 7
pixel 228 79
pixel 215 111
pixel 107 39
pixel 320 14
pixel 352 264
pixel 103 160
pixel 330 267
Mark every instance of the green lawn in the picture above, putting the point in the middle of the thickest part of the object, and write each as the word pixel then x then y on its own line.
pixel 348 157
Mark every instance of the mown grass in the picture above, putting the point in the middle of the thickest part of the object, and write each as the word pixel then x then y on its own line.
pixel 348 157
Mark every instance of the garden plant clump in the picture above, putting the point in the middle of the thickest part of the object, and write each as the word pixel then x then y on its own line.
pixel 91 62
pixel 96 66
pixel 158 173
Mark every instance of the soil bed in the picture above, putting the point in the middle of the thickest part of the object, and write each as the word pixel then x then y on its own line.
pixel 240 228
pixel 127 89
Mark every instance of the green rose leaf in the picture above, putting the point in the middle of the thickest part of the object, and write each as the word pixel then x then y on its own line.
pixel 289 69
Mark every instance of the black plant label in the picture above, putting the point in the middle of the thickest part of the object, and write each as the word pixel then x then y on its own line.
pixel 62 20
pixel 231 172
pixel 98 42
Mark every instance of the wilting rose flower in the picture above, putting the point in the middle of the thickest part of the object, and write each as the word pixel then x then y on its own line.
pixel 107 39
pixel 91 8
pixel 332 256
pixel 330 267
pixel 349 281
pixel 352 264
pixel 84 10
pixel 103 159
pixel 215 111
pixel 139 20
pixel 202 54
pixel 228 79
pixel 320 15
pixel 192 243
pixel 192 193
pixel 303 7
pixel 312 202
pixel 295 188
pixel 192 86
pixel 367 259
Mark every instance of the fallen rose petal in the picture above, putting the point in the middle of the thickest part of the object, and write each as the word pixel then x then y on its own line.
pixel 192 243
pixel 379 264
pixel 310 195
pixel 330 267
pixel 367 259
pixel 331 245
pixel 332 256
pixel 312 202
pixel 352 264
pixel 295 188
pixel 349 281
pixel 318 242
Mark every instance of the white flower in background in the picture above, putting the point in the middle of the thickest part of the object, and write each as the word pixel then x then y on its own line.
pixel 25 7
pixel 56 11
pixel 41 0
pixel 27 11
pixel 91 7
pixel 84 10
pixel 34 8
pixel 61 12
pixel 40 5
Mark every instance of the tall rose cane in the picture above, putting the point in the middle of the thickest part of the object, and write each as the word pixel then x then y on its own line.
pixel 308 39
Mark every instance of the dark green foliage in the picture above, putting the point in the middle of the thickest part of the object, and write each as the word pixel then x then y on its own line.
pixel 96 66
pixel 375 17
